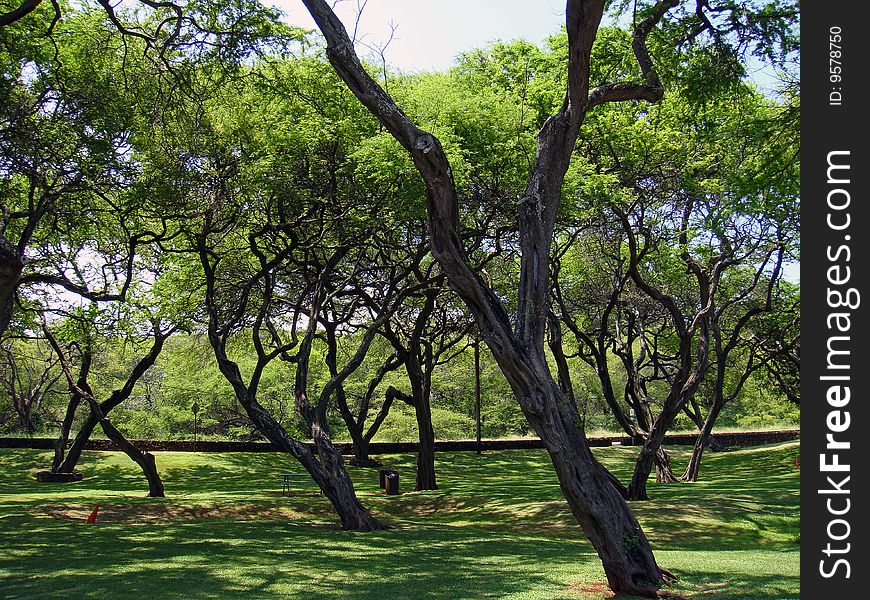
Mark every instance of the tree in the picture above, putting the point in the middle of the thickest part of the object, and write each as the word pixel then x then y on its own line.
pixel 72 216
pixel 727 206
pixel 518 347
pixel 81 390
pixel 27 378
pixel 230 293
pixel 609 319
pixel 63 170
pixel 356 415
pixel 425 336
pixel 84 330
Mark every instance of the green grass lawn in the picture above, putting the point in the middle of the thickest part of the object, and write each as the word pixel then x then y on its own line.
pixel 497 528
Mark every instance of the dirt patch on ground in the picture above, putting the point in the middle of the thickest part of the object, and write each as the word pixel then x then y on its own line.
pixel 601 590
pixel 155 514
pixel 585 588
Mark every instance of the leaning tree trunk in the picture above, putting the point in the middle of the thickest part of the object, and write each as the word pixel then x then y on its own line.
pixel 518 348
pixel 332 476
pixel 63 436
pixel 704 438
pixel 596 504
pixel 74 454
pixel 329 472
pixel 144 459
pixel 649 455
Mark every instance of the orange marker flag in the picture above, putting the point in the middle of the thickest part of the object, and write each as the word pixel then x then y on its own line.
pixel 93 517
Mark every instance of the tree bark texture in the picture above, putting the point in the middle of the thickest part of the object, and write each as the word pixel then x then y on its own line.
pixel 426 448
pixel 596 504
pixel 68 462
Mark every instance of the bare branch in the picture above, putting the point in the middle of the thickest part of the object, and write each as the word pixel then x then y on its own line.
pixel 27 7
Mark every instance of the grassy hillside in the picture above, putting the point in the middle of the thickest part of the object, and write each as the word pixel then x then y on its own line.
pixel 496 528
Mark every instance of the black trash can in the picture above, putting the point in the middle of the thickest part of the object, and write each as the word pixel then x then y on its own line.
pixel 391 483
pixel 382 477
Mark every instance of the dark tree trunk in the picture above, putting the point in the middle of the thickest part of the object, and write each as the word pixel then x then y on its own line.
pixel 664 474
pixel 693 469
pixel 596 504
pixel 82 390
pixel 361 442
pixel 358 440
pixel 419 400
pixel 328 472
pixel 419 360
pixel 63 436
pixel 361 458
pixel 426 447
pixel 144 459
pixel 518 348
pixel 420 377
pixel 11 266
pixel 355 422
pixel 651 454
pixel 74 454
pixel 338 487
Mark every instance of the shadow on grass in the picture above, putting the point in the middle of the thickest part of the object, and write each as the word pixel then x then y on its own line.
pixel 497 527
pixel 271 559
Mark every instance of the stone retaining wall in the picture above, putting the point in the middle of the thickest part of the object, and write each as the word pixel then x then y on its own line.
pixel 745 438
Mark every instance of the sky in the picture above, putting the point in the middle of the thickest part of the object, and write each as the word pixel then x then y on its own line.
pixel 430 34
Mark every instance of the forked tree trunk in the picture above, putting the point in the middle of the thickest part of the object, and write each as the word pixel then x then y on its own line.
pixel 362 440
pixel 642 469
pixel 518 348
pixel 664 474
pixel 63 435
pixel 65 461
pixel 358 441
pixel 361 458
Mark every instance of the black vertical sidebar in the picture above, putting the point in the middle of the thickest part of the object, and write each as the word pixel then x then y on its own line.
pixel 835 301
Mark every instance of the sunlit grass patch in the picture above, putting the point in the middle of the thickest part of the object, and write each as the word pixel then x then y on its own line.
pixel 497 527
